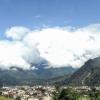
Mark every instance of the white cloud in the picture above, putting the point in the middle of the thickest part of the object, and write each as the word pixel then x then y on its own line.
pixel 16 54
pixel 17 32
pixel 11 55
pixel 37 16
pixel 59 46
pixel 64 46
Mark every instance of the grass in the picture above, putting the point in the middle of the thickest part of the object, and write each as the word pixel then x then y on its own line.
pixel 84 98
pixel 4 98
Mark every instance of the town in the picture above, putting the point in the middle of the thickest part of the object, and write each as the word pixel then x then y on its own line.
pixel 35 92
pixel 27 92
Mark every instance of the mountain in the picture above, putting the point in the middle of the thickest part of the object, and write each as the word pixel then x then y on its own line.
pixel 88 74
pixel 40 75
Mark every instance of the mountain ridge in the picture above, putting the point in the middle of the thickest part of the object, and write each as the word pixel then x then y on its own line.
pixel 88 74
pixel 33 77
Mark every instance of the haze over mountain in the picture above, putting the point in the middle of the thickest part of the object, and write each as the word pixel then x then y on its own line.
pixel 41 75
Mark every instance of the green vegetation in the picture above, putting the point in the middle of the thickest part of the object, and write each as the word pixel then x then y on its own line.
pixel 18 98
pixel 88 74
pixel 4 98
pixel 65 94
pixel 71 94
pixel 40 76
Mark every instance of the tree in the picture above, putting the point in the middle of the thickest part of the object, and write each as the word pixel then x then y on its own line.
pixel 1 84
pixel 18 98
pixel 65 94
pixel 94 94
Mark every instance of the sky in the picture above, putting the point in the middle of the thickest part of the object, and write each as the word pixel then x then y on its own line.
pixel 64 32
pixel 39 13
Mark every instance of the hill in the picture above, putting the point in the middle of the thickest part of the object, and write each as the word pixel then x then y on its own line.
pixel 88 74
pixel 32 77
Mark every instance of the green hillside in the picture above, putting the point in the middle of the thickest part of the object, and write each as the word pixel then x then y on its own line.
pixel 32 77
pixel 88 74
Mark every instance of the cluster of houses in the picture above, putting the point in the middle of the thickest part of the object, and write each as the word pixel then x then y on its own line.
pixel 35 92
pixel 28 93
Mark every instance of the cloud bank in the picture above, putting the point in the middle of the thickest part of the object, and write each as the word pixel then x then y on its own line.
pixel 67 46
